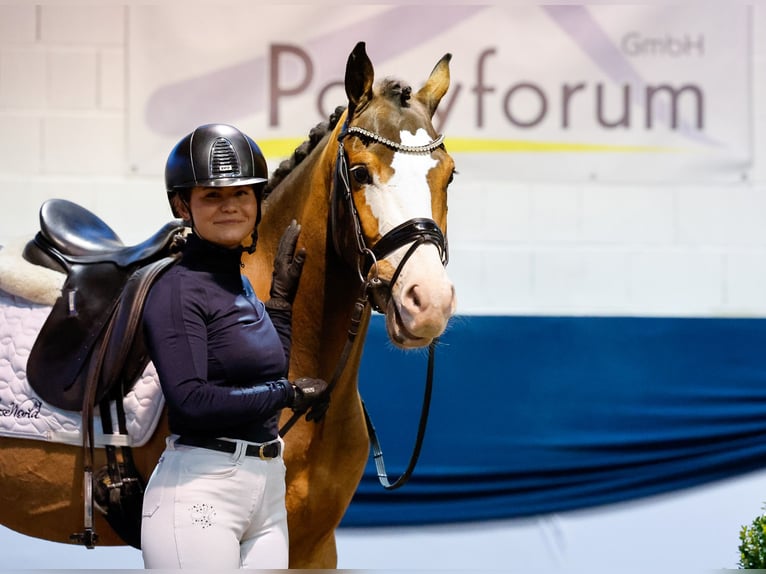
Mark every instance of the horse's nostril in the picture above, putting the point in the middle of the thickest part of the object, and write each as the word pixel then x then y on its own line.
pixel 413 296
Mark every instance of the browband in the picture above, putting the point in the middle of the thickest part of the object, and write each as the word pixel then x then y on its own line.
pixel 426 148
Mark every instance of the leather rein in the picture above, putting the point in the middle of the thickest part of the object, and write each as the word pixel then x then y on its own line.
pixel 349 244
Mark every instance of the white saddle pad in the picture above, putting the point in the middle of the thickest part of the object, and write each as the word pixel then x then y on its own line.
pixel 24 415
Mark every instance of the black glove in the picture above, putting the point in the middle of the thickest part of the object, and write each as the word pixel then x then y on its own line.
pixel 307 392
pixel 288 265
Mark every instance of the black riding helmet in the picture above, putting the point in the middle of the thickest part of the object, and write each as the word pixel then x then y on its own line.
pixel 215 155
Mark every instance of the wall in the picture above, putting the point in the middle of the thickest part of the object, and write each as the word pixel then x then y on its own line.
pixel 686 248
pixel 63 118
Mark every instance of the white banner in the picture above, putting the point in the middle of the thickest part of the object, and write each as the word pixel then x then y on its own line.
pixel 628 92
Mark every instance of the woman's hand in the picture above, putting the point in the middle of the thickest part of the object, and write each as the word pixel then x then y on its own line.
pixel 288 265
pixel 307 392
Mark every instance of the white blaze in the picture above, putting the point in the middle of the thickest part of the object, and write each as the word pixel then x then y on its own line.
pixel 406 195
pixel 422 300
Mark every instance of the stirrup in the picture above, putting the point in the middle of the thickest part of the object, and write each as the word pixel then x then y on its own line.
pixel 88 537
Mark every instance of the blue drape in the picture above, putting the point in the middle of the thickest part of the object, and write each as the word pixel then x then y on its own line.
pixel 534 415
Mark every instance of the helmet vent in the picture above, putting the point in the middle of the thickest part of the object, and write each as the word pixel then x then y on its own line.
pixel 224 161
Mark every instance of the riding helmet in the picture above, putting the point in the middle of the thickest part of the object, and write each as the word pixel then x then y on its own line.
pixel 215 155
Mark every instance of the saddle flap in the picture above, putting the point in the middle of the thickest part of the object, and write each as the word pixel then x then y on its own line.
pixel 76 322
pixel 93 330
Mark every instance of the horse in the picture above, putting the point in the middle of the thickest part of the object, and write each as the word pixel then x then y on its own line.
pixel 369 189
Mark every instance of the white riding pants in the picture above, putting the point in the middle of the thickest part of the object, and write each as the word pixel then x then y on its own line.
pixel 214 510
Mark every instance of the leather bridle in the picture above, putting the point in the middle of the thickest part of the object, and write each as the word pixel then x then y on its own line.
pixel 354 249
pixel 349 245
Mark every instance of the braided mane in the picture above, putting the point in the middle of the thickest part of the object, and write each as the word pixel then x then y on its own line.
pixel 302 151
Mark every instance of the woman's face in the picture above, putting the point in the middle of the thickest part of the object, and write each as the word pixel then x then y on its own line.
pixel 224 215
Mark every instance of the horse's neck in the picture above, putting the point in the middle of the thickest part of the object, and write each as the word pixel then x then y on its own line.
pixel 328 290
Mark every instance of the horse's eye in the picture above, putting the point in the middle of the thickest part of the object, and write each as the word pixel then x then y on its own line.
pixel 361 175
pixel 451 177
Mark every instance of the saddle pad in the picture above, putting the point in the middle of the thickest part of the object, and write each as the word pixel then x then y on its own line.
pixel 24 415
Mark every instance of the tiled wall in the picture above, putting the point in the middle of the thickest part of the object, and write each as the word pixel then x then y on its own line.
pixel 609 249
pixel 63 117
pixel 586 248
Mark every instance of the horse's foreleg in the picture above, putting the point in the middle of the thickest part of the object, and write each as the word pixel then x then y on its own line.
pixel 314 554
pixel 314 514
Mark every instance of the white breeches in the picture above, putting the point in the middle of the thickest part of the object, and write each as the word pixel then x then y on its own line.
pixel 214 510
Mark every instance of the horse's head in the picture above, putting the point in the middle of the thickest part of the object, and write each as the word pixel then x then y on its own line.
pixel 391 177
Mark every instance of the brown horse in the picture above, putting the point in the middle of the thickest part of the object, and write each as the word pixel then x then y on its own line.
pixel 370 192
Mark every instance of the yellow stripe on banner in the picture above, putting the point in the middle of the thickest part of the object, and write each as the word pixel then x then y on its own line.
pixel 466 145
pixel 279 148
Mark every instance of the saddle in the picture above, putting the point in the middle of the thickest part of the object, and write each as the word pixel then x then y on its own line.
pixel 99 306
pixel 91 350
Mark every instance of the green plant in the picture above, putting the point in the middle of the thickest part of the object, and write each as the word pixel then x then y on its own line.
pixel 752 545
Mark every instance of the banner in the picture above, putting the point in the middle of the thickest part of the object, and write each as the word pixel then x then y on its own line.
pixel 541 92
pixel 533 416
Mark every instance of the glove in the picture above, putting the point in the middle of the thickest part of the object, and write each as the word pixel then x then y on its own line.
pixel 307 392
pixel 288 265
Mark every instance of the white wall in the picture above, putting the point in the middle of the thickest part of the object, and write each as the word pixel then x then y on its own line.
pixel 595 248
pixel 63 118
pixel 542 248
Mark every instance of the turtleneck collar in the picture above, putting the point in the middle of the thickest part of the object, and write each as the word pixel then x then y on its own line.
pixel 202 255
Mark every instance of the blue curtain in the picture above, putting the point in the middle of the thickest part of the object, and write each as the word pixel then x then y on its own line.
pixel 533 415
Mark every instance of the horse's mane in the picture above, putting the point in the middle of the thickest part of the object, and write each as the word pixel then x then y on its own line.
pixel 302 151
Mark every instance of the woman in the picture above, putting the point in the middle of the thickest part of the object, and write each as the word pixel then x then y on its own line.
pixel 217 496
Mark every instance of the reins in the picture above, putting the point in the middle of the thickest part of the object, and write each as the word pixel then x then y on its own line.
pixel 355 252
pixel 377 451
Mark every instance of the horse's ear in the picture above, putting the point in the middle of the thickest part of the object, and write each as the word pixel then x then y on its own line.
pixel 359 78
pixel 436 86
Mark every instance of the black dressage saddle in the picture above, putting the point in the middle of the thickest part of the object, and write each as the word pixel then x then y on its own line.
pixel 93 327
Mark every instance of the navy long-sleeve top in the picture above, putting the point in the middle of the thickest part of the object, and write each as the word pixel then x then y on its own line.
pixel 220 356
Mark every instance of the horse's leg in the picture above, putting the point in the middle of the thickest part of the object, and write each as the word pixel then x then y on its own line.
pixel 321 480
pixel 312 527
pixel 323 554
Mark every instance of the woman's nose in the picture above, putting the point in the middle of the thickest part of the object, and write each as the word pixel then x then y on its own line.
pixel 228 204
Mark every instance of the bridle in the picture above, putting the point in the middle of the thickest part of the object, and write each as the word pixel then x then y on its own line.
pixel 354 250
pixel 349 245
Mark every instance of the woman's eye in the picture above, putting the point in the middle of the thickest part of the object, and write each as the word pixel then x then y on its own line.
pixel 361 175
